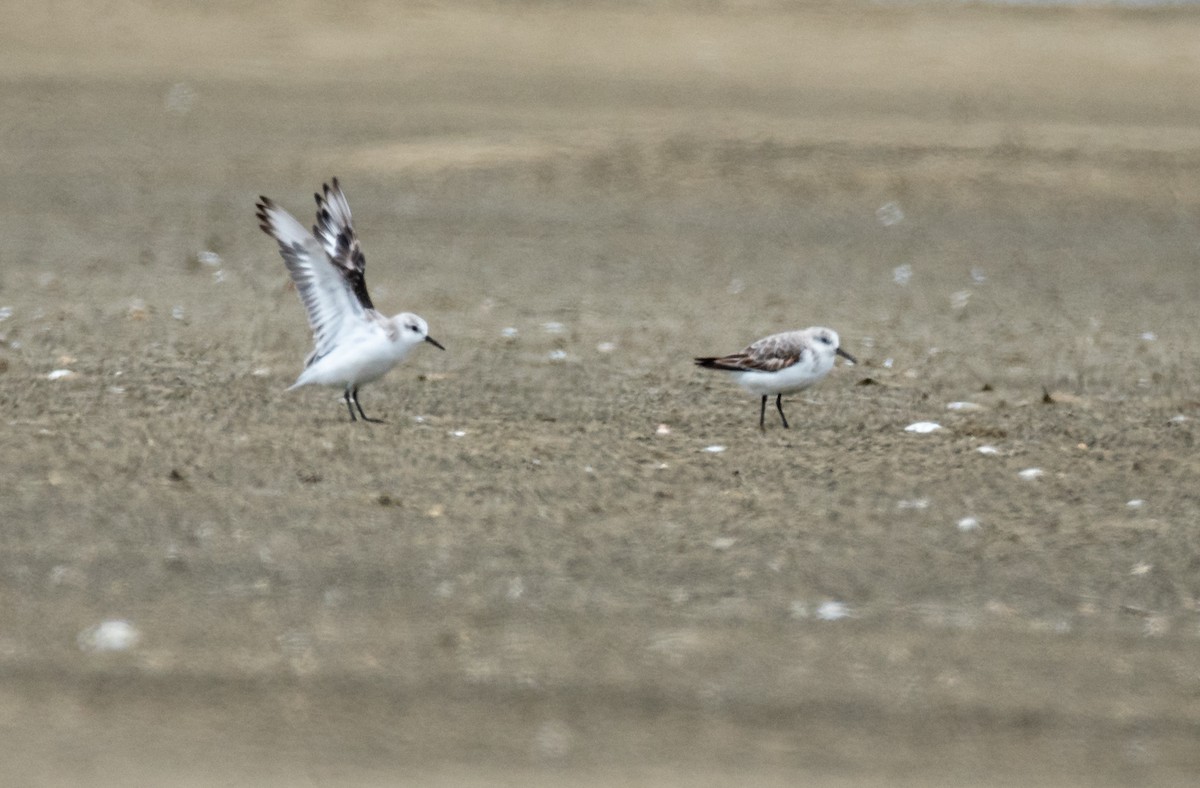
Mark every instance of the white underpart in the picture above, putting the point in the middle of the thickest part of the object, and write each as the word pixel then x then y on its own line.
pixel 811 367
pixel 364 353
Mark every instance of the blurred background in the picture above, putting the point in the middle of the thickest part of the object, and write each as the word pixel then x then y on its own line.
pixel 570 558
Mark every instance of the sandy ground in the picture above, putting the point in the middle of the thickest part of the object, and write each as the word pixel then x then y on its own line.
pixel 517 580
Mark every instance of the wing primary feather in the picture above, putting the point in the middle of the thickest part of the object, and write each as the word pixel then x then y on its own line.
pixel 328 301
pixel 335 230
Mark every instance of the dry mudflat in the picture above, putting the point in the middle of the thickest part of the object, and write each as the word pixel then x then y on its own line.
pixel 520 578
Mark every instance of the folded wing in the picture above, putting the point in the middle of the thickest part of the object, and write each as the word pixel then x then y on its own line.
pixel 769 354
pixel 326 295
pixel 335 231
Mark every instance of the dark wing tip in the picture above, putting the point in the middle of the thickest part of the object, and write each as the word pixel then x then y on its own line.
pixel 336 185
pixel 264 221
pixel 725 363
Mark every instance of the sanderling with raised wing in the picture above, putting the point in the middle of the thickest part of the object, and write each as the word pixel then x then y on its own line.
pixel 781 364
pixel 353 343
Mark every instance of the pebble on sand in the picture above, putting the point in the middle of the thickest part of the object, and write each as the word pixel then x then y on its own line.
pixel 109 636
pixel 833 611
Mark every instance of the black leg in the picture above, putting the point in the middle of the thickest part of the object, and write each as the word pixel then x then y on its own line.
pixel 779 404
pixel 349 407
pixel 354 397
pixel 762 415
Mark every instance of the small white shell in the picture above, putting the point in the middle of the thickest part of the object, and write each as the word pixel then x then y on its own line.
pixel 889 214
pixel 108 636
pixel 832 611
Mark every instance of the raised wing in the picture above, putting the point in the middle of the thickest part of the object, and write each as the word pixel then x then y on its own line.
pixel 335 231
pixel 769 354
pixel 326 295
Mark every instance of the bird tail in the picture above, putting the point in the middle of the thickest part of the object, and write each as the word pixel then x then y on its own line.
pixel 713 362
pixel 303 380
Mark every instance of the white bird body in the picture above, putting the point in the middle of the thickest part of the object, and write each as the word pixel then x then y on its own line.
pixel 364 355
pixel 781 364
pixel 809 369
pixel 353 343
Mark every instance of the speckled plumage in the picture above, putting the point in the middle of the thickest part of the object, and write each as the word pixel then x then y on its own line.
pixel 781 364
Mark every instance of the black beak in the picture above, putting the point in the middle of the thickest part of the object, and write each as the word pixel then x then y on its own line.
pixel 846 356
pixel 435 343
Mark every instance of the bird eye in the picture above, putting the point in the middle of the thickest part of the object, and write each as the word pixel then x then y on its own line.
pixel 825 339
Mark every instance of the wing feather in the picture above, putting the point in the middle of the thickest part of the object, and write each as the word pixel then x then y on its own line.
pixel 769 354
pixel 326 295
pixel 335 230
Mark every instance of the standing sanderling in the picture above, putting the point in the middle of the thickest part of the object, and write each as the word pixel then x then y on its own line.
pixel 354 344
pixel 781 364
